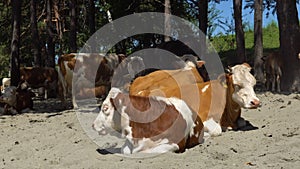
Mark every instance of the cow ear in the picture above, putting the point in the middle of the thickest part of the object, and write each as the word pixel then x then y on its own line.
pixel 200 63
pixel 246 64
pixel 121 57
pixel 228 70
pixel 264 58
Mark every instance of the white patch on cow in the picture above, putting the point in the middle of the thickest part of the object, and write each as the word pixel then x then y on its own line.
pixel 139 93
pixel 146 145
pixel 164 99
pixel 126 150
pixel 126 129
pixel 212 127
pixel 113 92
pixel 186 113
pixel 5 83
pixel 127 147
pixel 205 88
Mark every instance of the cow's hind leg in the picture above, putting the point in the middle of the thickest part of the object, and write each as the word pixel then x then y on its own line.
pixel 162 148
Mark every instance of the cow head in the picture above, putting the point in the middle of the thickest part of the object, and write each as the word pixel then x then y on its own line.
pixel 9 96
pixel 104 120
pixel 243 82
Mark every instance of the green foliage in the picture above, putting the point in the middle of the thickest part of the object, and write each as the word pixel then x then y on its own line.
pixel 225 44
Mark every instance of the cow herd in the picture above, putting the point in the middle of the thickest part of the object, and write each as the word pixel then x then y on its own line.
pixel 156 110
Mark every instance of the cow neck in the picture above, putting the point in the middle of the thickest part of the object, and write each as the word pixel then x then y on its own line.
pixel 232 110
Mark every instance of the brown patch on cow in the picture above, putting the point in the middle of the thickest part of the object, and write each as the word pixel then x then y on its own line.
pixel 24 100
pixel 198 133
pixel 104 73
pixel 66 58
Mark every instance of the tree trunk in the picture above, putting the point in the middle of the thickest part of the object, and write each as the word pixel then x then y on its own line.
pixel 289 45
pixel 203 18
pixel 35 35
pixel 258 41
pixel 57 20
pixel 203 23
pixel 167 20
pixel 91 14
pixel 15 42
pixel 239 32
pixel 50 61
pixel 73 26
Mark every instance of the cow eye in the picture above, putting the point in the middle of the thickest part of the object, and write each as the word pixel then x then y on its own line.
pixel 237 86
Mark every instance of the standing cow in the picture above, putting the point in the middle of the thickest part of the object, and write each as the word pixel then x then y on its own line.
pixel 273 64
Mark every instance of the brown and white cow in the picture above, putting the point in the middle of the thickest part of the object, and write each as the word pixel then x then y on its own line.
pixel 15 100
pixel 273 64
pixel 150 124
pixel 36 77
pixel 86 71
pixel 218 102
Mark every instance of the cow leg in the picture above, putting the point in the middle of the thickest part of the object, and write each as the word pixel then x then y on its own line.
pixel 46 94
pixel 162 148
pixel 212 127
pixel 278 83
pixel 146 145
pixel 75 105
pixel 268 82
pixel 273 82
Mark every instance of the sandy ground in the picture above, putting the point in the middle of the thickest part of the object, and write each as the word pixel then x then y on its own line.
pixel 51 138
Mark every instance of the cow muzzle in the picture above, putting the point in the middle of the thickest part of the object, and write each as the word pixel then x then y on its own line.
pixel 255 103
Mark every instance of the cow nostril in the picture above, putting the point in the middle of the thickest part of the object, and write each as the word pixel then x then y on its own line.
pixel 93 126
pixel 255 102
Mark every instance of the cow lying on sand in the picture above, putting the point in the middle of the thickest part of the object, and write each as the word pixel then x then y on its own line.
pixel 218 102
pixel 36 77
pixel 15 100
pixel 150 124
